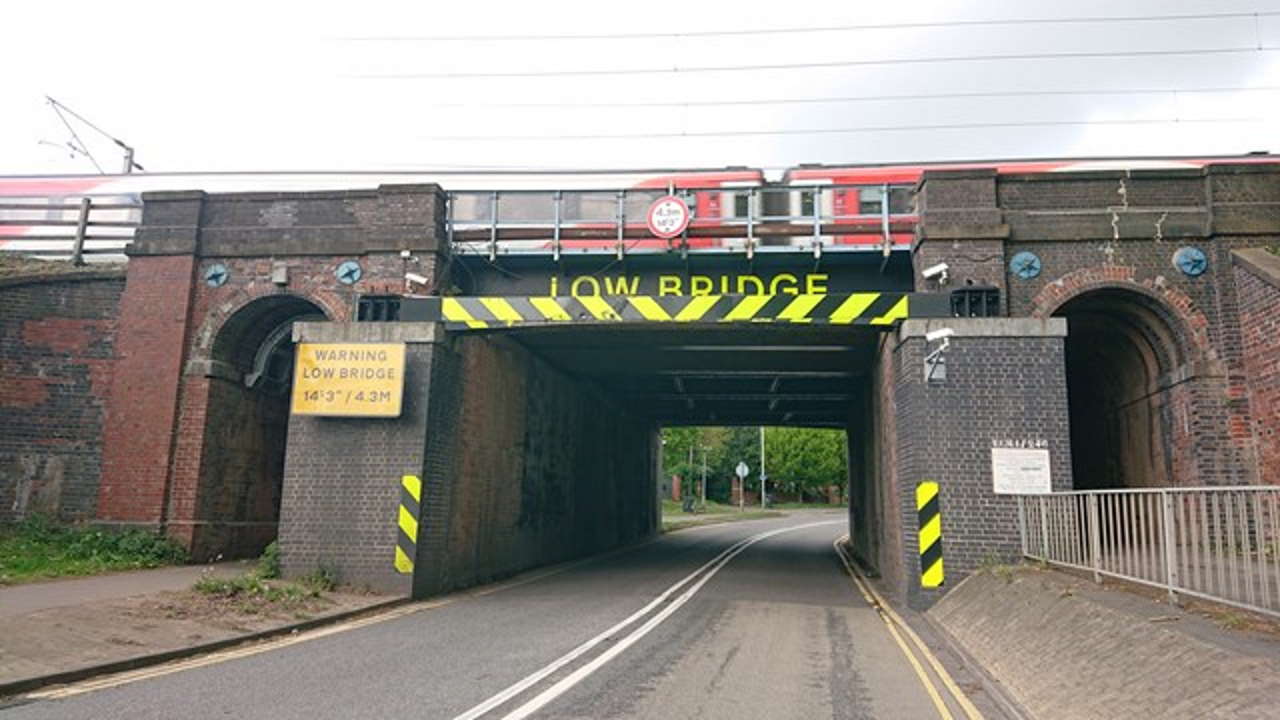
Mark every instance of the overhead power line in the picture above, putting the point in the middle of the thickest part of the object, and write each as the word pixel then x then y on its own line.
pixel 677 69
pixel 831 131
pixel 860 98
pixel 834 28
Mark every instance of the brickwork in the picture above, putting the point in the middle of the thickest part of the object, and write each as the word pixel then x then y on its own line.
pixel 1004 381
pixel 1257 280
pixel 521 466
pixel 138 439
pixel 213 480
pixel 342 476
pixel 57 336
pixel 545 468
pixel 1103 232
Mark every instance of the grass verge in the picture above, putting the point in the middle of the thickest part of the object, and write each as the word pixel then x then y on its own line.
pixel 38 547
pixel 674 518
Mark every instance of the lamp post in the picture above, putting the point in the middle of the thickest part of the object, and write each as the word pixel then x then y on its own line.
pixel 763 477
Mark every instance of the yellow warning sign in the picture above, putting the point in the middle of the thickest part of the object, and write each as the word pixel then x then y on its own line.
pixel 348 379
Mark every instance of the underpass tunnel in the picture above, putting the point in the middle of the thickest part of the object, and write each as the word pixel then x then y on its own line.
pixel 753 375
pixel 569 417
pixel 241 464
pixel 1121 354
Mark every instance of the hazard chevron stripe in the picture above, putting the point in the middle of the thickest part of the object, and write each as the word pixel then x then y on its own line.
pixel 870 308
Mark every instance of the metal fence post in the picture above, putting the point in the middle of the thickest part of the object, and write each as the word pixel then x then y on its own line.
pixel 1095 538
pixel 1170 565
pixel 82 227
pixel 1022 523
pixel 1044 530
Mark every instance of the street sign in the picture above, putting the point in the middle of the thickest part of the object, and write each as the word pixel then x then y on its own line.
pixel 348 379
pixel 742 469
pixel 668 216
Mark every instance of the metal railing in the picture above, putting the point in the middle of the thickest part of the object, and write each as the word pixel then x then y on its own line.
pixel 541 221
pixel 1219 544
pixel 71 227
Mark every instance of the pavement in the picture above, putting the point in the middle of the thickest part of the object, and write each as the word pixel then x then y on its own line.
pixel 753 619
pixel 17 600
pixel 77 627
pixel 1064 647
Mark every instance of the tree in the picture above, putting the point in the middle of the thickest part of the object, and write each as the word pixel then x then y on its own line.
pixel 805 460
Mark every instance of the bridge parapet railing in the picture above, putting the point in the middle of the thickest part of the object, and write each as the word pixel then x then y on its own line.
pixel 1217 543
pixel 74 227
pixel 741 218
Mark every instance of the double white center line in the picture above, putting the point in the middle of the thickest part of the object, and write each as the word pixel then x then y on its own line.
pixel 694 580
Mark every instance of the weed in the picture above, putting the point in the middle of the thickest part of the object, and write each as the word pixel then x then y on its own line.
pixel 1232 620
pixel 323 579
pixel 39 546
pixel 269 563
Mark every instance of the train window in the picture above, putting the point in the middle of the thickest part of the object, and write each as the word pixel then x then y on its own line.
pixel 806 203
pixel 870 201
pixel 741 204
pixel 901 201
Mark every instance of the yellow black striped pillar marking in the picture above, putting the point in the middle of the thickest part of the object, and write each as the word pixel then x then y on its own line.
pixel 872 308
pixel 929 512
pixel 410 505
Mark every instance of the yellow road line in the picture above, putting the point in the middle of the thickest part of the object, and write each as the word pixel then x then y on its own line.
pixel 131 676
pixel 891 618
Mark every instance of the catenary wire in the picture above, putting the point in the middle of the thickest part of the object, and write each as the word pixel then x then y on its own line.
pixel 924 25
pixel 676 69
pixel 834 131
pixel 863 98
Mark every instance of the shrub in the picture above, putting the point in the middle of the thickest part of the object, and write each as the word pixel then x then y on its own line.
pixel 269 563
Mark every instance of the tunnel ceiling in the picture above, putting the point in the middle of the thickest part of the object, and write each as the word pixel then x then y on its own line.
pixel 698 375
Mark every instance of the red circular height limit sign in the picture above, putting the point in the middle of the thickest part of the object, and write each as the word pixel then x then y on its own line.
pixel 668 216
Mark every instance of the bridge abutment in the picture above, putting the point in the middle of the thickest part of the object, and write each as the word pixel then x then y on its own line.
pixel 521 466
pixel 1004 384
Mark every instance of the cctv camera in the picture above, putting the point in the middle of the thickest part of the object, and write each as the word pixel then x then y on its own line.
pixel 939 334
pixel 406 254
pixel 939 271
pixel 415 278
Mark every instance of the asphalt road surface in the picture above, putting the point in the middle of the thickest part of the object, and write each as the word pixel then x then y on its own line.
pixel 753 619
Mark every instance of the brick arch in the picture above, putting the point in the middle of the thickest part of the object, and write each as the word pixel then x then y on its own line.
pixel 1175 307
pixel 330 303
pixel 1130 348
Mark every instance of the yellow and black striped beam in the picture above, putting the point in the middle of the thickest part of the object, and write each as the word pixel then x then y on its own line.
pixel 410 511
pixel 929 513
pixel 478 313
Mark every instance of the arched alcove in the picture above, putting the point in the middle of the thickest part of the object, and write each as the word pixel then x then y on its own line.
pixel 1121 352
pixel 246 423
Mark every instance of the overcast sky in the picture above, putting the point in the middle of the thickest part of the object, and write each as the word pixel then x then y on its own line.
pixel 375 85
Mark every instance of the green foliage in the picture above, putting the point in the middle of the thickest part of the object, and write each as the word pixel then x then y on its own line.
pixel 255 592
pixel 804 461
pixel 799 461
pixel 269 563
pixel 322 579
pixel 39 547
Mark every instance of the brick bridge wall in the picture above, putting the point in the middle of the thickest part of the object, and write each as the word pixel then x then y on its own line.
pixel 57 347
pixel 521 466
pixel 1257 276
pixel 188 446
pixel 1117 231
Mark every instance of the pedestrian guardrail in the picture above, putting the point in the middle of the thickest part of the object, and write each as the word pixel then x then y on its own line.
pixel 750 219
pixel 1219 544
pixel 68 227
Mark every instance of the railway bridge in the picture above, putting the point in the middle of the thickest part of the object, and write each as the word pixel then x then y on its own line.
pixel 427 390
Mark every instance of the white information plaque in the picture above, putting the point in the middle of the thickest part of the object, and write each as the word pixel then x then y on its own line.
pixel 1020 471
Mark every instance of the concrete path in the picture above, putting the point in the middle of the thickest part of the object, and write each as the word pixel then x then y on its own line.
pixel 27 598
pixel 723 621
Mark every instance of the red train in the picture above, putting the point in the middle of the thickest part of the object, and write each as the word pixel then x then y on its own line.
pixel 810 207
